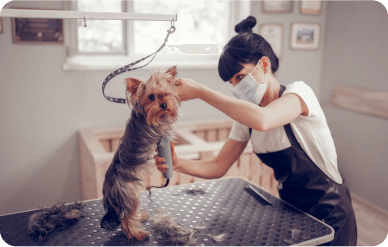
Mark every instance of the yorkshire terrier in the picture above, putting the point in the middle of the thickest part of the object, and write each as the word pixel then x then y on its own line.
pixel 154 107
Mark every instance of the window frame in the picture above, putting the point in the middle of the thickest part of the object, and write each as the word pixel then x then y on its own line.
pixel 80 61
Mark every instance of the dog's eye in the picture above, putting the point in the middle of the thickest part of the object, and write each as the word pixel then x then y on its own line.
pixel 151 97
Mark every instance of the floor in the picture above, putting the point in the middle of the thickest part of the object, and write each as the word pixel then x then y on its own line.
pixel 372 222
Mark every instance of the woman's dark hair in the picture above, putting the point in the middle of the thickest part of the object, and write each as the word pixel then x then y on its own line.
pixel 245 48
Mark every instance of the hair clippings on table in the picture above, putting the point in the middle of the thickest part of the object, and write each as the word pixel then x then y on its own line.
pixel 58 216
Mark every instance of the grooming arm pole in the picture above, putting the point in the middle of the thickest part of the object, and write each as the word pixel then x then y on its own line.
pixel 62 14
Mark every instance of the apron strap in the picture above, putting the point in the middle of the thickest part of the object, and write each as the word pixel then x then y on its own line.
pixel 281 90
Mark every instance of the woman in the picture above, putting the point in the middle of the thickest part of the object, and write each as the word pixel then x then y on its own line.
pixel 287 128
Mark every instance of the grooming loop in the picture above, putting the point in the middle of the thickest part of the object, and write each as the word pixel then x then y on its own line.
pixel 170 31
pixel 128 67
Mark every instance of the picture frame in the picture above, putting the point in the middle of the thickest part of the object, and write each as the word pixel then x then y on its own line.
pixel 273 33
pixel 270 7
pixel 305 36
pixel 37 31
pixel 310 7
pixel 1 25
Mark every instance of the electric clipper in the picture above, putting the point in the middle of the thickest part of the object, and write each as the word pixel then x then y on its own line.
pixel 164 151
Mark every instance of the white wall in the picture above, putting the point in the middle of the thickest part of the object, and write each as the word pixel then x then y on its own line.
pixel 43 107
pixel 356 54
pixel 296 65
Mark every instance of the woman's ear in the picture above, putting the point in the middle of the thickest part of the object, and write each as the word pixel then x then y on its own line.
pixel 265 64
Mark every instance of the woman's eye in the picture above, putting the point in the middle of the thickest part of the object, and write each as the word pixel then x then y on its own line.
pixel 151 97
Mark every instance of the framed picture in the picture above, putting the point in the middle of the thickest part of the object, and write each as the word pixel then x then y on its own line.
pixel 37 31
pixel 273 33
pixel 310 7
pixel 277 6
pixel 305 36
pixel 1 25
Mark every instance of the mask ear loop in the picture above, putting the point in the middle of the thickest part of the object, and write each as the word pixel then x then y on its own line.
pixel 265 80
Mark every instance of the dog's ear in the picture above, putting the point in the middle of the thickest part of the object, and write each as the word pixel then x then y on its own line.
pixel 172 71
pixel 133 84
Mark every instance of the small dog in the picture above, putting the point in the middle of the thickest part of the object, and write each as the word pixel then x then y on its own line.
pixel 154 105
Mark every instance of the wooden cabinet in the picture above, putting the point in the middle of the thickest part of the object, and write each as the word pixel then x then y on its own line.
pixel 196 140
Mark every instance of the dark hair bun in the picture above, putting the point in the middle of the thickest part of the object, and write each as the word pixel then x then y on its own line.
pixel 246 25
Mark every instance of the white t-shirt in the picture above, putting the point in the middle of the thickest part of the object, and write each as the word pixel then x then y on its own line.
pixel 311 131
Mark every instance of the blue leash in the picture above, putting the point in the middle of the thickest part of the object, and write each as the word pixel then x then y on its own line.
pixel 128 67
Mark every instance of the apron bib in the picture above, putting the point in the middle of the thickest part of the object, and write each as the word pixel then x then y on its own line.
pixel 304 185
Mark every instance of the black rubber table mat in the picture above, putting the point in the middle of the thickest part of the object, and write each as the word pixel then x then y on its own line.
pixel 225 206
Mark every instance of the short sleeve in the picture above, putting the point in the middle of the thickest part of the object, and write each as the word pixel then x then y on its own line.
pixel 239 132
pixel 307 94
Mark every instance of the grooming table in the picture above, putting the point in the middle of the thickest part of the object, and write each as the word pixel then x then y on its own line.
pixel 225 206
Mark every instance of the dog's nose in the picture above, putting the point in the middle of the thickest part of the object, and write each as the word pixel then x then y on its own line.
pixel 163 106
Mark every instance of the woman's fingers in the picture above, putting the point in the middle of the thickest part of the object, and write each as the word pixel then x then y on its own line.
pixel 159 162
pixel 187 89
pixel 174 156
pixel 159 159
pixel 162 168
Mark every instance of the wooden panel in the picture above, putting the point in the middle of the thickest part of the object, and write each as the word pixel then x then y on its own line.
pixel 211 135
pixel 233 171
pixel 255 169
pixel 108 133
pixel 88 175
pixel 206 155
pixel 206 124
pixel 223 134
pixel 175 178
pixel 186 179
pixel 100 144
pixel 201 134
pixel 261 172
pixel 361 100
pixel 267 178
pixel 107 145
pixel 180 140
pixel 115 144
pixel 245 166
pixel 274 186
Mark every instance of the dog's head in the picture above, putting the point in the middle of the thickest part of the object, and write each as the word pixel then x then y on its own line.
pixel 158 97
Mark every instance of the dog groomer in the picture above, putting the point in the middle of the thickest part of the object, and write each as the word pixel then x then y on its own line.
pixel 287 129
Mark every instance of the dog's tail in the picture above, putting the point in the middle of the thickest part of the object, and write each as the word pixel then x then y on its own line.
pixel 120 196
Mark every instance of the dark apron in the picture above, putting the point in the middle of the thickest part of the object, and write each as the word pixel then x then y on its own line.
pixel 303 184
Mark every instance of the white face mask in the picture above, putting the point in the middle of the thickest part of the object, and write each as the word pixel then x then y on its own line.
pixel 249 90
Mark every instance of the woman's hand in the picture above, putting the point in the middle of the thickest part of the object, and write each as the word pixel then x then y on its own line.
pixel 188 89
pixel 159 162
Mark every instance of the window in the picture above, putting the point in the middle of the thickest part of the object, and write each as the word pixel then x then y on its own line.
pixel 100 35
pixel 202 30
